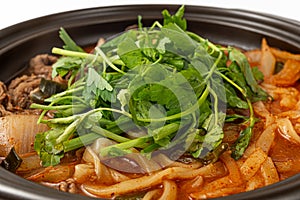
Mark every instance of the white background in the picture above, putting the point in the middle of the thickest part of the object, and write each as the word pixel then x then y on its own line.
pixel 15 11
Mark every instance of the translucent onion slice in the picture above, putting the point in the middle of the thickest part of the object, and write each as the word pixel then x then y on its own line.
pixel 268 61
pixel 287 130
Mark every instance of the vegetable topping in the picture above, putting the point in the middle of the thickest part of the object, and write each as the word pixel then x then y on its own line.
pixel 170 87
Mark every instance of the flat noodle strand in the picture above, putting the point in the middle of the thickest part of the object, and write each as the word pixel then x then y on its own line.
pixel 269 172
pixel 152 194
pixel 253 163
pixel 231 183
pixel 170 190
pixel 266 139
pixel 144 182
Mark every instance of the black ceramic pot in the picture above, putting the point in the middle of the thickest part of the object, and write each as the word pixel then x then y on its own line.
pixel 239 28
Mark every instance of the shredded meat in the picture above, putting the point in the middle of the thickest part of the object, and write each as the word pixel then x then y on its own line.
pixel 19 90
pixel 4 99
pixel 3 91
pixel 16 97
pixel 41 65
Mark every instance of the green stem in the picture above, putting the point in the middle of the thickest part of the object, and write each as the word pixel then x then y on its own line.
pixel 138 142
pixel 93 57
pixel 69 131
pixel 64 93
pixel 215 106
pixel 233 83
pixel 69 53
pixel 46 108
pixel 150 148
pixel 54 102
pixel 243 92
pixel 63 120
pixel 110 109
pixel 200 39
pixel 73 98
pixel 156 24
pixel 71 79
pixel 165 131
pixel 109 134
pixel 101 53
pixel 252 118
pixel 50 107
pixel 80 141
pixel 213 68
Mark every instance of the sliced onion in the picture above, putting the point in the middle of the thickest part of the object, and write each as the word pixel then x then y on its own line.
pixel 269 172
pixel 288 76
pixel 268 61
pixel 266 139
pixel 254 57
pixel 31 161
pixel 284 55
pixel 83 172
pixel 53 174
pixel 287 130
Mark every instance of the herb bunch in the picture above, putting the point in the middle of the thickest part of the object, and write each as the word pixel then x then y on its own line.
pixel 167 85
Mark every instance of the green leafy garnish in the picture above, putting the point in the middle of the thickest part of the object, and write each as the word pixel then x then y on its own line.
pixel 177 18
pixel 168 85
pixel 69 43
pixel 97 88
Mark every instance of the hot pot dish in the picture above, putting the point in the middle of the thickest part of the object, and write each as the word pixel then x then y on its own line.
pixel 156 112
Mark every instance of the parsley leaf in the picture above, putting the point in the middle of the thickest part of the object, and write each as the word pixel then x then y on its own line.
pixel 177 18
pixel 97 88
pixel 69 42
